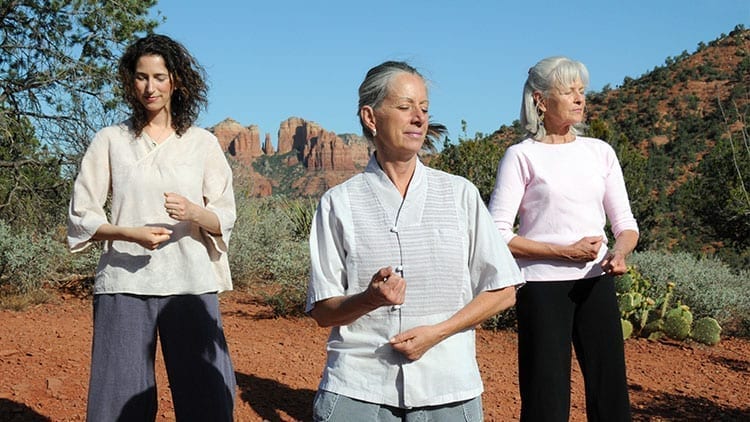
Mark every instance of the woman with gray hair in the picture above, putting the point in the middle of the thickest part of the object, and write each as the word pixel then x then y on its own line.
pixel 406 262
pixel 564 187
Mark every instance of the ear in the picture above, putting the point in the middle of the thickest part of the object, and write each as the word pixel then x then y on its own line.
pixel 367 114
pixel 539 101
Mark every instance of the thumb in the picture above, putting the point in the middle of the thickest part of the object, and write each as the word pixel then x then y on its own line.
pixel 162 230
pixel 401 337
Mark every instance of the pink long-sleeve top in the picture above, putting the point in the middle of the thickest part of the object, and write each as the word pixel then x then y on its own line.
pixel 561 193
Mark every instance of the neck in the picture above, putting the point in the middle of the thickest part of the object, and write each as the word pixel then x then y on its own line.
pixel 400 172
pixel 558 135
pixel 159 128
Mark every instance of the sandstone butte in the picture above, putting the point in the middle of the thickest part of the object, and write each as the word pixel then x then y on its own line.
pixel 328 158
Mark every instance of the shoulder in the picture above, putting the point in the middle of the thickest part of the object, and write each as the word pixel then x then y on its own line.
pixel 595 143
pixel 201 139
pixel 198 134
pixel 463 189
pixel 118 130
pixel 521 147
pixel 116 133
pixel 342 188
pixel 599 148
pixel 441 176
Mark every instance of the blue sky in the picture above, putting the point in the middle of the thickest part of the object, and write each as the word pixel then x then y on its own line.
pixel 273 59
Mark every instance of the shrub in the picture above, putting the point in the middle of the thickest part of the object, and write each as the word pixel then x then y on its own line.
pixel 27 261
pixel 503 320
pixel 707 286
pixel 269 246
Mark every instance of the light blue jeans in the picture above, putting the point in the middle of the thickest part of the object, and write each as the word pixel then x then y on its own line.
pixel 332 407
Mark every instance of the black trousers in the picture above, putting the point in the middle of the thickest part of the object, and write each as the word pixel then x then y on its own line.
pixel 551 316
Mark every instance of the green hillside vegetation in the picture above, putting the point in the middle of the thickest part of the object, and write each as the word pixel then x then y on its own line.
pixel 680 132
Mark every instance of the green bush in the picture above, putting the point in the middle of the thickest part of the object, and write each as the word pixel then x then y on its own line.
pixel 27 260
pixel 707 286
pixel 503 320
pixel 269 248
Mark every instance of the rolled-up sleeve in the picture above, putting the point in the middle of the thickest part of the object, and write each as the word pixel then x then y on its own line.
pixel 219 195
pixel 616 201
pixel 86 209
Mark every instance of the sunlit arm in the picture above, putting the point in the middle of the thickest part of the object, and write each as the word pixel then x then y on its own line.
pixel 415 342
pixel 180 208
pixel 584 250
pixel 147 236
pixel 386 288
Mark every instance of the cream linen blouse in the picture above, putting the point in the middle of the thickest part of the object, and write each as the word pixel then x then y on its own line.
pixel 134 173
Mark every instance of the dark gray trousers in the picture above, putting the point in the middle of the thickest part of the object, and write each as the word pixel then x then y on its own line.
pixel 200 372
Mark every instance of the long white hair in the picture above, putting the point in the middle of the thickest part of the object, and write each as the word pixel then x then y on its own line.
pixel 543 76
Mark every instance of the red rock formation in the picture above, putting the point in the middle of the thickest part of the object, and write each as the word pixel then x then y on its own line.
pixel 268 146
pixel 240 142
pixel 327 152
pixel 328 158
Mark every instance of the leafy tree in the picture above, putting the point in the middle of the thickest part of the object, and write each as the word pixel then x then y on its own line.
pixel 477 158
pixel 57 60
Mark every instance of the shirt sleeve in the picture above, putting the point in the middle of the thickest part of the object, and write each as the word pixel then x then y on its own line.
pixel 218 194
pixel 328 276
pixel 86 209
pixel 507 194
pixel 491 265
pixel 616 201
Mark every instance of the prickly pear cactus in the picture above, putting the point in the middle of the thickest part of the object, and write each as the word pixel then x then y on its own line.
pixel 627 328
pixel 623 283
pixel 707 331
pixel 629 302
pixel 677 323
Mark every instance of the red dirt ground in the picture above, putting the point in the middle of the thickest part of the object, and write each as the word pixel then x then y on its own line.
pixel 44 358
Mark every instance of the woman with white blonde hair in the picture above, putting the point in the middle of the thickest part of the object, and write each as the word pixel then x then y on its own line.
pixel 564 187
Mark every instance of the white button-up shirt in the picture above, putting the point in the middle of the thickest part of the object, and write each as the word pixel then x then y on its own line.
pixel 445 240
pixel 136 175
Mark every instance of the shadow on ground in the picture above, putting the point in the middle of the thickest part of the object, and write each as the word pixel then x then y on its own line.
pixel 11 411
pixel 270 399
pixel 673 407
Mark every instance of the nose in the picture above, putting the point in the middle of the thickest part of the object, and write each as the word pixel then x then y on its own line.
pixel 419 117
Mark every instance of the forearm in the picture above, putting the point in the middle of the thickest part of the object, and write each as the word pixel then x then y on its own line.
pixel 113 232
pixel 485 305
pixel 522 247
pixel 341 310
pixel 206 219
pixel 626 242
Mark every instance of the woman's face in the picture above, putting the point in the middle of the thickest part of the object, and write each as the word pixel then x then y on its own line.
pixel 564 106
pixel 402 118
pixel 153 84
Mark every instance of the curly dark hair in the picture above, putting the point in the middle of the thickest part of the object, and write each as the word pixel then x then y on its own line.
pixel 188 79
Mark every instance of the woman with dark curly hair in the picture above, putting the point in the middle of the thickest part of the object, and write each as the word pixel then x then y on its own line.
pixel 164 260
